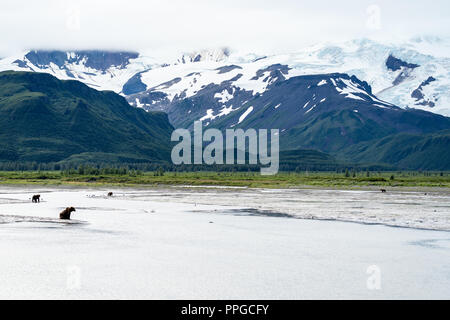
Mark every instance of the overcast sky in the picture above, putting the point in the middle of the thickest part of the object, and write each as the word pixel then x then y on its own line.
pixel 185 25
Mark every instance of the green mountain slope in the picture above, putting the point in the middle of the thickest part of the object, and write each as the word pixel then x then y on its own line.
pixel 44 119
pixel 304 159
pixel 409 151
pixel 334 131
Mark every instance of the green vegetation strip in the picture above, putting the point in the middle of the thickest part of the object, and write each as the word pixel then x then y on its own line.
pixel 237 179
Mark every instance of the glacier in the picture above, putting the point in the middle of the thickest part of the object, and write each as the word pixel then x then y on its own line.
pixel 186 76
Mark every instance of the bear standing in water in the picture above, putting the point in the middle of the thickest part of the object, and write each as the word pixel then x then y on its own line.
pixel 36 198
pixel 65 215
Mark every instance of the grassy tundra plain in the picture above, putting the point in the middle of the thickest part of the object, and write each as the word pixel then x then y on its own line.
pixel 236 179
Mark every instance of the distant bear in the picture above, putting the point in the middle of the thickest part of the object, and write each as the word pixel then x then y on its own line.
pixel 383 190
pixel 110 194
pixel 65 215
pixel 36 198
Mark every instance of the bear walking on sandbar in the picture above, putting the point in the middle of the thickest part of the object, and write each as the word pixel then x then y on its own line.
pixel 36 198
pixel 65 214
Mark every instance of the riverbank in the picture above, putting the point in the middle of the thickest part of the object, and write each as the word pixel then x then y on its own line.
pixel 420 181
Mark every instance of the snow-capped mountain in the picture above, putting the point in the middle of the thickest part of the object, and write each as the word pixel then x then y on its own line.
pixel 337 98
pixel 326 111
pixel 413 74
pixel 240 96
pixel 101 70
pixel 216 55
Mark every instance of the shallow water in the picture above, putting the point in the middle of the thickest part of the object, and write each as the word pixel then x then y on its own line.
pixel 195 243
pixel 419 210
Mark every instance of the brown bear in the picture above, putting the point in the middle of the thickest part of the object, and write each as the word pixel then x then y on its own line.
pixel 110 194
pixel 65 214
pixel 36 198
pixel 383 190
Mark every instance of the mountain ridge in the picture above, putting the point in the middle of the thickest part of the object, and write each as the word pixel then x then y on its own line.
pixel 327 97
pixel 368 60
pixel 44 119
